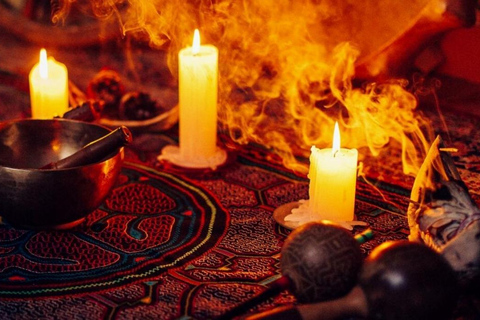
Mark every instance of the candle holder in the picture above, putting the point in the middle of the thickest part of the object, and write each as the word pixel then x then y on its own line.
pixel 173 155
pixel 333 176
pixel 304 215
pixel 198 85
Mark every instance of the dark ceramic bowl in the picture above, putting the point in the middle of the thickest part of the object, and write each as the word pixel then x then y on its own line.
pixel 60 198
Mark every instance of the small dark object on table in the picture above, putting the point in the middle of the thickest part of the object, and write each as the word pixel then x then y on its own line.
pixel 137 105
pixel 88 111
pixel 107 86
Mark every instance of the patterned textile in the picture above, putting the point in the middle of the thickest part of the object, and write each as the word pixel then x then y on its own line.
pixel 171 243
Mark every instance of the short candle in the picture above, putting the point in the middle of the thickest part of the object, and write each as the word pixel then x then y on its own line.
pixel 48 88
pixel 198 81
pixel 333 176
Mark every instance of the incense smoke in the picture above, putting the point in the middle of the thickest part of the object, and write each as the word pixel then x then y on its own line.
pixel 287 69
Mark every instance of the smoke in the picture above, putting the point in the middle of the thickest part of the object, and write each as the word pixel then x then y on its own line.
pixel 286 69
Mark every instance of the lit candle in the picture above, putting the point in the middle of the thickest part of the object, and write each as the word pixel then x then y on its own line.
pixel 198 81
pixel 48 88
pixel 333 176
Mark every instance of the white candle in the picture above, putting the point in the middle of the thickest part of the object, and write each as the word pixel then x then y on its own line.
pixel 333 176
pixel 48 88
pixel 198 81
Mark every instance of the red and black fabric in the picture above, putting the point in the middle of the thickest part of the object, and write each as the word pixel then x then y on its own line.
pixel 170 243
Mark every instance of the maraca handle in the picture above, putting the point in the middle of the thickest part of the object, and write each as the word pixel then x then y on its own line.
pixel 282 283
pixel 352 304
pixel 287 312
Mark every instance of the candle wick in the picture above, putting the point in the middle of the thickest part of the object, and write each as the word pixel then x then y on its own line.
pixel 335 153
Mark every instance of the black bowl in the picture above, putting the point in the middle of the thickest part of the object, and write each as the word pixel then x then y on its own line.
pixel 61 198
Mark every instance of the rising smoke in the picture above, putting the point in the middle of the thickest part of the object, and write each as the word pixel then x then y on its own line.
pixel 287 68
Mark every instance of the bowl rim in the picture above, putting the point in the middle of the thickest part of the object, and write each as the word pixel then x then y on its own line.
pixel 5 123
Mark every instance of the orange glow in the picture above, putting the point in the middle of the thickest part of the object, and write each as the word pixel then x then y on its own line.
pixel 286 70
pixel 43 64
pixel 196 42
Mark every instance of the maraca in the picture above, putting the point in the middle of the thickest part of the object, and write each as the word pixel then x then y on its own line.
pixel 319 261
pixel 400 280
pixel 408 280
pixel 322 260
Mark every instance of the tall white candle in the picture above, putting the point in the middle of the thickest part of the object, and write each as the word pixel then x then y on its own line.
pixel 198 81
pixel 48 88
pixel 333 176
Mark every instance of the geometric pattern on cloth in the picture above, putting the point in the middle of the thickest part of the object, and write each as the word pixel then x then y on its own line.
pixel 168 244
pixel 151 222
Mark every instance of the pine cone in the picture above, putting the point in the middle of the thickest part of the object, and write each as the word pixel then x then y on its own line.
pixel 107 86
pixel 137 105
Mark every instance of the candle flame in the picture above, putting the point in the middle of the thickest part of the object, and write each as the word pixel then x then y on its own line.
pixel 336 139
pixel 287 94
pixel 43 65
pixel 196 42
